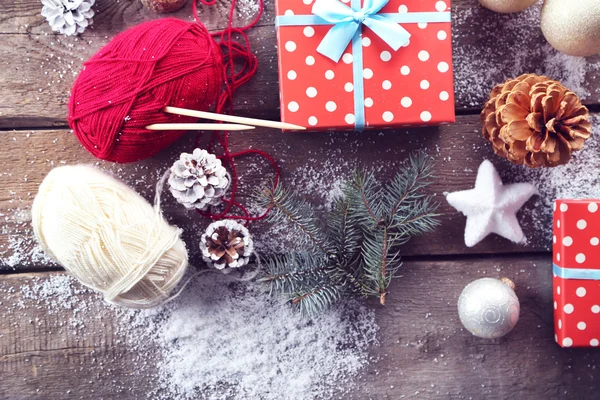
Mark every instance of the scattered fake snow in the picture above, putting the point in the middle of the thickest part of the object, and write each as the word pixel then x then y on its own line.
pixel 227 339
pixel 220 339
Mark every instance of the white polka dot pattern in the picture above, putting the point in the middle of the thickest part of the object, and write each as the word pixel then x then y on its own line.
pixel 440 6
pixel 423 55
pixel 290 46
pixel 569 308
pixel 318 93
pixel 576 244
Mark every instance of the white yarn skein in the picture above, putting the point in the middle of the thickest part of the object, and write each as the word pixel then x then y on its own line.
pixel 108 236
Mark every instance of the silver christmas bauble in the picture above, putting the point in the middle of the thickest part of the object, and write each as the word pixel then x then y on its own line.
pixel 507 6
pixel 489 308
pixel 572 27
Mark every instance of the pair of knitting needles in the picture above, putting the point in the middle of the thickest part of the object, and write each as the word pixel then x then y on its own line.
pixel 238 123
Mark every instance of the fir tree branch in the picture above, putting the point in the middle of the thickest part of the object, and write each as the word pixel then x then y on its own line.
pixel 344 233
pixel 292 272
pixel 363 196
pixel 380 262
pixel 407 183
pixel 288 207
pixel 358 252
pixel 317 300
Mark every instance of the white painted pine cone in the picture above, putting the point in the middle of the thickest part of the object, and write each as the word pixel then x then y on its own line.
pixel 226 244
pixel 68 17
pixel 198 180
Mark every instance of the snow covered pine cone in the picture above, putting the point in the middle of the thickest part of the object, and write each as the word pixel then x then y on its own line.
pixel 198 180
pixel 68 17
pixel 536 121
pixel 226 244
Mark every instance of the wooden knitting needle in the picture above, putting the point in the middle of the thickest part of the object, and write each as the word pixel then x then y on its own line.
pixel 198 127
pixel 234 119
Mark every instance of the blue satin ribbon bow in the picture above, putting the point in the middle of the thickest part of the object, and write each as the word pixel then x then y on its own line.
pixel 347 27
pixel 347 21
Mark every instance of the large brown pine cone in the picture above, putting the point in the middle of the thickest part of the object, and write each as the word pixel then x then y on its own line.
pixel 536 121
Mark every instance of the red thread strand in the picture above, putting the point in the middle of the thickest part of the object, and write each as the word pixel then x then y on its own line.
pixel 236 53
pixel 126 85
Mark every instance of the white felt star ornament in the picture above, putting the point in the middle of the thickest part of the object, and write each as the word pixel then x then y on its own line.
pixel 491 207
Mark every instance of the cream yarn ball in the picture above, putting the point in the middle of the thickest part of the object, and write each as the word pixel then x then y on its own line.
pixel 108 236
pixel 507 6
pixel 572 27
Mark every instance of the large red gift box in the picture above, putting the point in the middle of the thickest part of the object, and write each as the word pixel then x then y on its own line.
pixel 372 85
pixel 576 272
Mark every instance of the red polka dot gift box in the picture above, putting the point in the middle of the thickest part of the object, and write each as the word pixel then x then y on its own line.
pixel 576 272
pixel 365 64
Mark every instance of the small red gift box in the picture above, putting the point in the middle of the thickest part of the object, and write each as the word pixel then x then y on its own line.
pixel 576 272
pixel 371 85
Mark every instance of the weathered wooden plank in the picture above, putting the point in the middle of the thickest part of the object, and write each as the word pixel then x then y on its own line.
pixel 38 69
pixel 116 16
pixel 69 344
pixel 426 354
pixel 315 163
pixel 37 338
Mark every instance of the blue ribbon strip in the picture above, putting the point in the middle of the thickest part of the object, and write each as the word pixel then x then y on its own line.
pixel 576 273
pixel 347 27
pixel 399 18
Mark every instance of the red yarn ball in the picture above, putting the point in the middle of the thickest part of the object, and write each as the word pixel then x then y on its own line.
pixel 126 85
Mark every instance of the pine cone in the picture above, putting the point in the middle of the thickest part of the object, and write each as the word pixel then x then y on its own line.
pixel 536 121
pixel 68 17
pixel 226 244
pixel 198 180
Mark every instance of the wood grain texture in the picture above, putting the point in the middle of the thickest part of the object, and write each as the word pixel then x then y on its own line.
pixel 64 352
pixel 314 162
pixel 424 352
pixel 39 68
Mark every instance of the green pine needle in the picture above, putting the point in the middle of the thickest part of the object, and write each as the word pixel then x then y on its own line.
pixel 357 250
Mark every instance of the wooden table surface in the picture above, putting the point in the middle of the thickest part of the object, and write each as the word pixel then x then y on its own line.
pixel 423 351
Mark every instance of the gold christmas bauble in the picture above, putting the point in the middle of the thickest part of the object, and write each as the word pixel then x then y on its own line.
pixel 507 6
pixel 572 27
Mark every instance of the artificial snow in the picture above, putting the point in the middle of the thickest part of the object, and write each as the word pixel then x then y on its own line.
pixel 220 339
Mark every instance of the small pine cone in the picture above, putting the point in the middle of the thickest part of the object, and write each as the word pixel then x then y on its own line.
pixel 198 180
pixel 536 121
pixel 226 244
pixel 68 17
